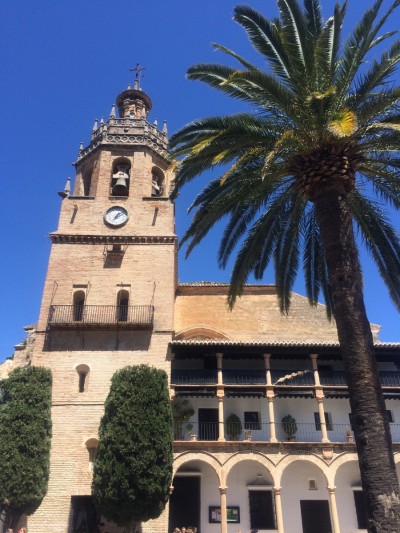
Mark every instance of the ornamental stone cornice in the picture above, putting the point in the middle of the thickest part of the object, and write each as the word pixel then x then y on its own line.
pixel 128 131
pixel 60 238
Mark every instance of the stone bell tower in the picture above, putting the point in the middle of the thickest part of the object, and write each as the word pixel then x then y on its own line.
pixel 109 292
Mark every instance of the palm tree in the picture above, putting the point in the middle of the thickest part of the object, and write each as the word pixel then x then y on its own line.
pixel 306 167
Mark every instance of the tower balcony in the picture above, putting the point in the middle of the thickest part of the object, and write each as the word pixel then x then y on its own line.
pixel 127 131
pixel 101 316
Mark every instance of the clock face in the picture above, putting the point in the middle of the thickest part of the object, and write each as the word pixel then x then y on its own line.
pixel 116 216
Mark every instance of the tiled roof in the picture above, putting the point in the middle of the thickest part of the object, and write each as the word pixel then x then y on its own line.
pixel 221 284
pixel 282 344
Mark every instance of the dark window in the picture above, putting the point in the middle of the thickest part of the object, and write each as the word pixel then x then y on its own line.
pixel 79 302
pixel 252 420
pixel 328 421
pixel 82 379
pixel 262 514
pixel 210 362
pixel 123 302
pixel 361 509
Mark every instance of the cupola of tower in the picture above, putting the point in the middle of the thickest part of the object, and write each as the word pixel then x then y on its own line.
pixel 130 128
pixel 134 103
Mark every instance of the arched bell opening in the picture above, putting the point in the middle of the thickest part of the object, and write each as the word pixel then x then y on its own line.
pixel 157 182
pixel 120 177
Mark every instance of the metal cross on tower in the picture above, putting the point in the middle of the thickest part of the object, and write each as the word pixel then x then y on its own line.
pixel 138 69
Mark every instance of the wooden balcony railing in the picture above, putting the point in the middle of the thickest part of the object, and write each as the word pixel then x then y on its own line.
pixel 101 316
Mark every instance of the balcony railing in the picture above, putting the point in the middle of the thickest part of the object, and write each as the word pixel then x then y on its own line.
pixel 257 377
pixel 122 316
pixel 193 377
pixel 244 377
pixel 306 432
pixel 389 379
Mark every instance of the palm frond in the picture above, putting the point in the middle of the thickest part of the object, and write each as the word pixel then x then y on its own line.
pixel 256 250
pixel 385 181
pixel 311 256
pixel 295 33
pixel 378 73
pixel 287 250
pixel 356 47
pixel 381 241
pixel 344 124
pixel 313 17
pixel 265 38
pixel 229 52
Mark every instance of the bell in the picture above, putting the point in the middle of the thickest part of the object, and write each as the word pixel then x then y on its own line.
pixel 120 187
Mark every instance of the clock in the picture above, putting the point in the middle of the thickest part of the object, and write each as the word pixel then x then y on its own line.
pixel 116 216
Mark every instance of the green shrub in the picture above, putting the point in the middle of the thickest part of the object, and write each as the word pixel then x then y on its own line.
pixel 133 468
pixel 25 438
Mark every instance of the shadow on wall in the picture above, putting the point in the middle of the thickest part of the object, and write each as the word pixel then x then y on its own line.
pixel 97 340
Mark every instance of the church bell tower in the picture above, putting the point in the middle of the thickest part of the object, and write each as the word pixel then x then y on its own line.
pixel 109 292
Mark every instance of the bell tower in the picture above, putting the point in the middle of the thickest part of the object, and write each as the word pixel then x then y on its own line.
pixel 110 287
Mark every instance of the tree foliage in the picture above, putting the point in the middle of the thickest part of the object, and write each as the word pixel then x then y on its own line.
pixel 322 114
pixel 133 468
pixel 25 438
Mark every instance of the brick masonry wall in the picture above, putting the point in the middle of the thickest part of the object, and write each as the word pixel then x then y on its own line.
pixel 255 316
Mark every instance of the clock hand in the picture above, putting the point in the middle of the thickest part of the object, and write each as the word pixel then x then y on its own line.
pixel 117 215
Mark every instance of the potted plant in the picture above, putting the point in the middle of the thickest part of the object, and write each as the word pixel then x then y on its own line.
pixel 233 427
pixel 182 411
pixel 349 435
pixel 289 427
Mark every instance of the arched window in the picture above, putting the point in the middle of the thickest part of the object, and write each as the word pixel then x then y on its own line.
pixel 122 305
pixel 157 182
pixel 120 178
pixel 87 181
pixel 91 446
pixel 83 372
pixel 78 305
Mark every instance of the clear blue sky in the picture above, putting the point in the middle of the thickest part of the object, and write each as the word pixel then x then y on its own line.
pixel 62 65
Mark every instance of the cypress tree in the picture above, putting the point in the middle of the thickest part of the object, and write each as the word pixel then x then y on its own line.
pixel 25 437
pixel 133 468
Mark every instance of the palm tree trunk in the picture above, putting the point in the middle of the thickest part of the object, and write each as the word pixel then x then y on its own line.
pixel 370 423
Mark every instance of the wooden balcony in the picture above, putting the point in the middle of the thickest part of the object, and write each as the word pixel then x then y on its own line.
pixel 101 316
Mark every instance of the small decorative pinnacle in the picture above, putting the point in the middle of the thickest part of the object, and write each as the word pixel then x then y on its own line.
pixel 81 147
pixel 101 121
pixel 156 123
pixel 138 69
pixel 67 189
pixel 112 112
pixel 95 125
pixel 164 129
